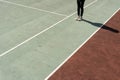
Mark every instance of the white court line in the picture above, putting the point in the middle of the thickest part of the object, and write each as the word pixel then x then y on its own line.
pixel 80 46
pixel 73 52
pixel 33 8
pixel 6 52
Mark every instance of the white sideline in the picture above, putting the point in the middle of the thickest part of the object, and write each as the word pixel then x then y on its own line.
pixel 6 52
pixel 73 52
pixel 79 47
pixel 33 8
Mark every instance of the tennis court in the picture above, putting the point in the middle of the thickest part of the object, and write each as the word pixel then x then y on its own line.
pixel 39 36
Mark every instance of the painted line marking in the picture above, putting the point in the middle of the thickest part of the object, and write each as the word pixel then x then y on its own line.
pixel 80 46
pixel 33 8
pixel 6 52
pixel 73 52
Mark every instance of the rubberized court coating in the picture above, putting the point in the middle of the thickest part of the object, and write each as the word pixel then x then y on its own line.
pixel 37 36
pixel 98 59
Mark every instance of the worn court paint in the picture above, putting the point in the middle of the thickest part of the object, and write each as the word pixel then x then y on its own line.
pixel 36 59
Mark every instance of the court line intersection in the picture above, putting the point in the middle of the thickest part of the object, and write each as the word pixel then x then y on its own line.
pixel 6 52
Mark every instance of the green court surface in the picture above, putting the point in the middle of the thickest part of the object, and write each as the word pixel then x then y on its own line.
pixel 37 36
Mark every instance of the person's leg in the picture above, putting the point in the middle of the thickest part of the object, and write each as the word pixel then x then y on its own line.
pixel 82 9
pixel 78 7
pixel 78 10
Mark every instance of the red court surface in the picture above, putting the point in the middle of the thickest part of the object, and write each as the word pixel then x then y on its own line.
pixel 98 59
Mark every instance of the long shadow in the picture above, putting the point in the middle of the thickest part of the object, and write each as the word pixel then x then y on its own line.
pixel 103 26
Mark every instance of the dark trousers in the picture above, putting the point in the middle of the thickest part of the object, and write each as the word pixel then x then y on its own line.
pixel 80 7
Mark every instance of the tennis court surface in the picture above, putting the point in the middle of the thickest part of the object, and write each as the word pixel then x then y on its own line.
pixel 38 36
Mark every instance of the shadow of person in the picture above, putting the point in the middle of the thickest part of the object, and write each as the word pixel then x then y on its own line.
pixel 103 26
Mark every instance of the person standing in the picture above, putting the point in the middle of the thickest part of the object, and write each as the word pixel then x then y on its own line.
pixel 80 9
